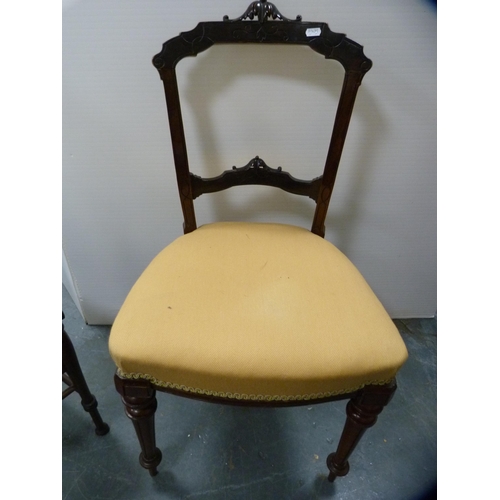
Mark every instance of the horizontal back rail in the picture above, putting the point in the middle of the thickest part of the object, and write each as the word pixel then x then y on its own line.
pixel 318 36
pixel 255 172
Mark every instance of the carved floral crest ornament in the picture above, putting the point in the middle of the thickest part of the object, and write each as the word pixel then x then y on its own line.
pixel 263 10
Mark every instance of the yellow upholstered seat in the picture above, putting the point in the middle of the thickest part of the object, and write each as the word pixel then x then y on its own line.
pixel 255 311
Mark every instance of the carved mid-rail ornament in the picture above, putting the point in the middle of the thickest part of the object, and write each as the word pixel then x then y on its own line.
pixel 262 10
pixel 255 172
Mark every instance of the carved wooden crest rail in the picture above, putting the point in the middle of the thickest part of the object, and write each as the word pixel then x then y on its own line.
pixel 261 23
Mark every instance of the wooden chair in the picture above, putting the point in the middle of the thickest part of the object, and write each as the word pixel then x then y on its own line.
pixel 251 313
pixel 73 377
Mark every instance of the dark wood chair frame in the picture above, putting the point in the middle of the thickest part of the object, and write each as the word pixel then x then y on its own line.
pixel 73 377
pixel 269 27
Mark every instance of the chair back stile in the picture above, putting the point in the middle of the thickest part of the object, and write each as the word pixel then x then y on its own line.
pixel 318 37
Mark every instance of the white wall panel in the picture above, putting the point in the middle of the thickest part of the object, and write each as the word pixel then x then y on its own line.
pixel 120 205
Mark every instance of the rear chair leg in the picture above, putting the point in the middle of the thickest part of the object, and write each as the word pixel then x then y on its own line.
pixel 362 412
pixel 73 376
pixel 139 399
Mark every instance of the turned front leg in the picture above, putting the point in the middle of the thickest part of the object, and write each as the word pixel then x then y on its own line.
pixel 139 398
pixel 362 412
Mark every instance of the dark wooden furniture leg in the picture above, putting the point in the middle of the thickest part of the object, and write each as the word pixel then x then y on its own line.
pixel 139 398
pixel 73 377
pixel 362 412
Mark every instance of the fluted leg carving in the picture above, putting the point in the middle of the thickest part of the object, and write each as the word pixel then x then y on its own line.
pixel 362 412
pixel 77 382
pixel 139 398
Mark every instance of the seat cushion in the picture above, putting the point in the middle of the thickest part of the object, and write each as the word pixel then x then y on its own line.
pixel 255 311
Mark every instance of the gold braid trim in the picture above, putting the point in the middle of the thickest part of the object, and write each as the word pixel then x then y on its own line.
pixel 247 397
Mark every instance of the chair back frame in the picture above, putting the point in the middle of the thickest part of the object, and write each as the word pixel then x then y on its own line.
pixel 280 30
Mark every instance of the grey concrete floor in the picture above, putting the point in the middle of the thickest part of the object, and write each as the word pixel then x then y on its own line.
pixel 216 452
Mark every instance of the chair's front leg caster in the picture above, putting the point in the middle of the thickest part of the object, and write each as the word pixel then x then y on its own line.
pixel 335 468
pixel 152 463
